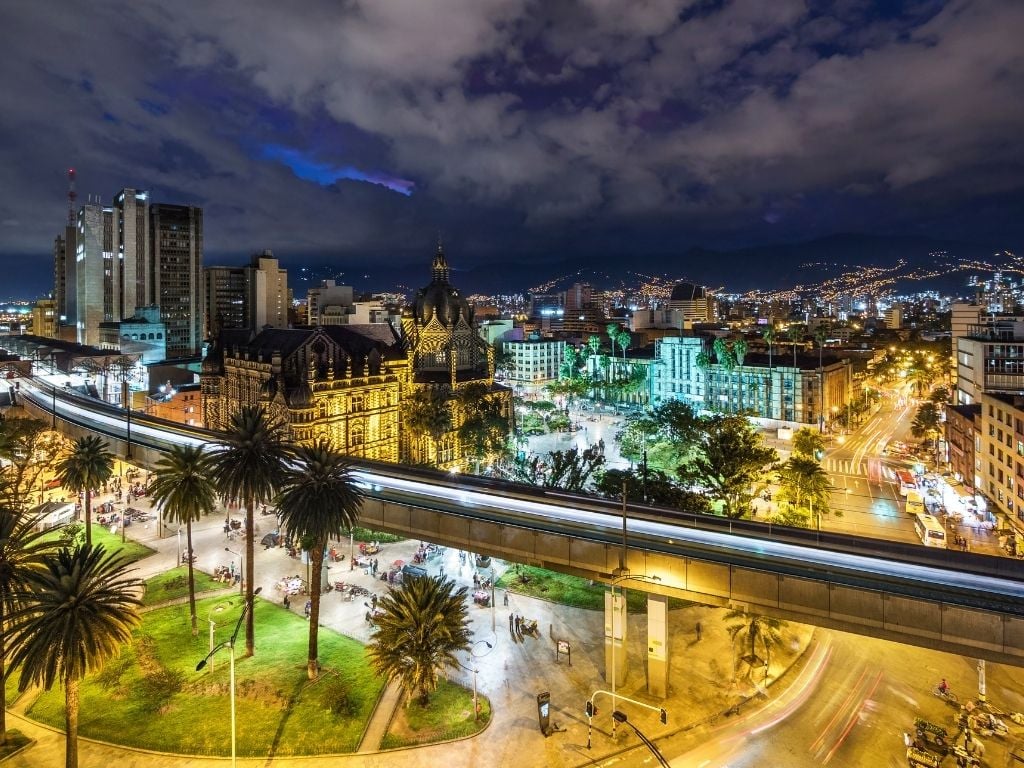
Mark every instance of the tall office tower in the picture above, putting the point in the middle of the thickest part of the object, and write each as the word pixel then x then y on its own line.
pixel 268 292
pixel 94 269
pixel 130 232
pixel 64 275
pixel 225 300
pixel 175 267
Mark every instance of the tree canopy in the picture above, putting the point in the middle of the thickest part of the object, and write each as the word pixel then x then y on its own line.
pixel 729 462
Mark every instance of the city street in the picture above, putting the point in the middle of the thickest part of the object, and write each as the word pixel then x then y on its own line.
pixel 848 706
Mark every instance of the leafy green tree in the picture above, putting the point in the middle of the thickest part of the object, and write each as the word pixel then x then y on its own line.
pixel 729 461
pixel 82 608
pixel 659 490
pixel 570 389
pixel 30 448
pixel 636 434
pixel 319 501
pixel 940 396
pixel 678 421
pixel 749 631
pixel 85 467
pixel 594 344
pixel 808 442
pixel 484 429
pixel 249 466
pixel 428 412
pixel 569 470
pixel 422 628
pixel 183 490
pixel 23 544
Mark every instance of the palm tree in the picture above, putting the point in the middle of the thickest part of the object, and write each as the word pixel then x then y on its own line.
pixel 803 481
pixel 183 490
pixel 22 546
pixel 249 466
pixel 82 608
pixel 85 466
pixel 318 501
pixel 808 442
pixel 613 331
pixel 769 338
pixel 423 626
pixel 796 335
pixel 751 629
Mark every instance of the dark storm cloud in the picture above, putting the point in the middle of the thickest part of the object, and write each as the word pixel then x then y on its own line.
pixel 354 127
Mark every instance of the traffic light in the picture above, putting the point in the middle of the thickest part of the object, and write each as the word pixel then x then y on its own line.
pixel 664 717
pixel 591 709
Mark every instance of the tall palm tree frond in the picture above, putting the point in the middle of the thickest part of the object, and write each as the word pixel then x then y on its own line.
pixel 85 466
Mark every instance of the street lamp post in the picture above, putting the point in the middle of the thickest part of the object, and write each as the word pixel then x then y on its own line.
pixel 230 645
pixel 241 556
pixel 474 670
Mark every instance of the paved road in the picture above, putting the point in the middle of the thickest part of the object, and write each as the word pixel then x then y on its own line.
pixel 847 707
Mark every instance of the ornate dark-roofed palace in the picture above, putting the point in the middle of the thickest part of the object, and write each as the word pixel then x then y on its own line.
pixel 358 384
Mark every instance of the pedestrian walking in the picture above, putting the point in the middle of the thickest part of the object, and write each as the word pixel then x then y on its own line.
pixel 373 599
pixel 518 623
pixel 287 602
pixel 511 617
pixel 698 631
pixel 506 598
pixel 309 608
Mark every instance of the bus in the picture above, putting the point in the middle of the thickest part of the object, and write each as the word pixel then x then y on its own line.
pixel 906 480
pixel 930 530
pixel 915 504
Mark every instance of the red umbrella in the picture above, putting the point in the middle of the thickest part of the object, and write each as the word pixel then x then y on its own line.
pixel 399 563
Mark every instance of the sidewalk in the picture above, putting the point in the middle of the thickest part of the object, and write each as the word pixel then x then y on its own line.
pixel 511 673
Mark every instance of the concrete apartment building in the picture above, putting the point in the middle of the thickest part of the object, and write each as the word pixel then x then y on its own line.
pixel 329 304
pixel 175 285
pixel 534 360
pixel 251 296
pixel 803 393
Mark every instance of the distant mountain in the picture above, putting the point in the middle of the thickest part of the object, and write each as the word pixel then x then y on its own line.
pixel 763 267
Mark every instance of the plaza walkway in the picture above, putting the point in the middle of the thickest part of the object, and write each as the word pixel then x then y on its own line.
pixel 511 673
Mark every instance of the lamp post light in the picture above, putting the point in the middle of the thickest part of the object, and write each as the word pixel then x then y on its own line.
pixel 241 556
pixel 475 670
pixel 230 645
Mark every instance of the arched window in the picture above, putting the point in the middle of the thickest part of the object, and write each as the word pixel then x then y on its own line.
pixel 159 336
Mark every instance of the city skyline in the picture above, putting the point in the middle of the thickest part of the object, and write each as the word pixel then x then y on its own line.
pixel 520 133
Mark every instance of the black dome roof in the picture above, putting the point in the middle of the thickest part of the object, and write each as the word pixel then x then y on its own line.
pixel 440 299
pixel 688 292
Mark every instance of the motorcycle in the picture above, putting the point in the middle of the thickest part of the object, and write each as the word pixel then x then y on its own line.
pixel 947 695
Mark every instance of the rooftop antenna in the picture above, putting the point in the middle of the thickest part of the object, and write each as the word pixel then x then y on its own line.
pixel 72 196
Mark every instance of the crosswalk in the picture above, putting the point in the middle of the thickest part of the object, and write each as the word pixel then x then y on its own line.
pixel 845 467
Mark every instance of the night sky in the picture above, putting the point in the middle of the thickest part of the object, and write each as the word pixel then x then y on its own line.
pixel 352 130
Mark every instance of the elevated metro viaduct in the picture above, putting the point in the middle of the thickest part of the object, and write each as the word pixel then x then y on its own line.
pixel 951 601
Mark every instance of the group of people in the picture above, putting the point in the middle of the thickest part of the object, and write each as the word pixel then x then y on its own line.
pixel 517 625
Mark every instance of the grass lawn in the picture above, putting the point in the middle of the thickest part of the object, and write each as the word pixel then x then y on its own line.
pixel 16 740
pixel 449 715
pixel 173 584
pixel 152 697
pixel 571 590
pixel 132 549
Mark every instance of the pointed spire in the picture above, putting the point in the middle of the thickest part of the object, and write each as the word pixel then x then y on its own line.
pixel 440 268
